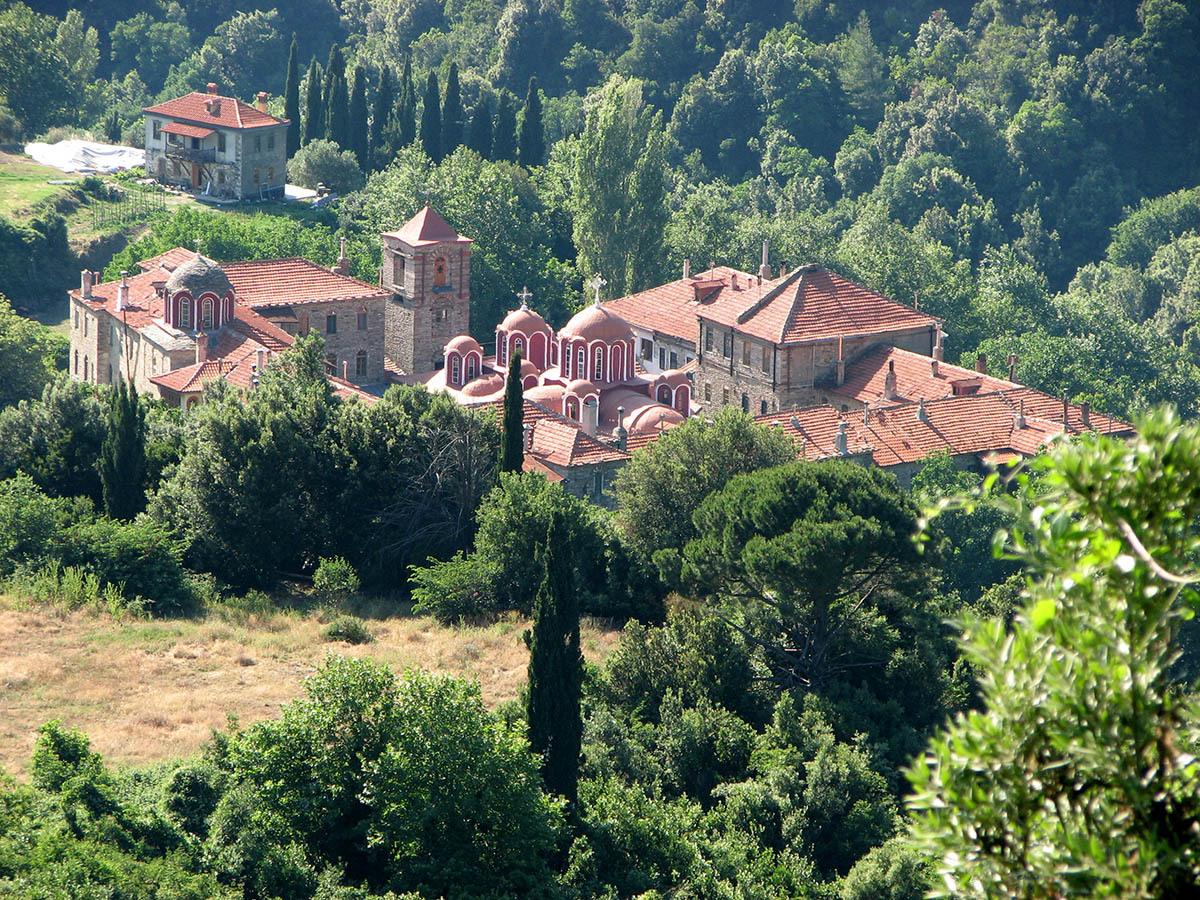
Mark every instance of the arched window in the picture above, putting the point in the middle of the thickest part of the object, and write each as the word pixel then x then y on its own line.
pixel 580 364
pixel 85 368
pixel 360 364
pixel 501 348
pixel 455 370
pixel 439 272
pixel 598 368
pixel 553 353
pixel 471 367
pixel 518 345
pixel 617 370
pixel 664 394
pixel 206 317
pixel 573 408
pixel 185 313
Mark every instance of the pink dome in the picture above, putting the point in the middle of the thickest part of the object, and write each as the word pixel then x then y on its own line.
pixel 597 324
pixel 484 387
pixel 546 394
pixel 674 378
pixel 581 387
pixel 524 320
pixel 528 367
pixel 464 344
pixel 651 418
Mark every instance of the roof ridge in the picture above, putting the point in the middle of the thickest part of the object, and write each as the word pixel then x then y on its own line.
pixel 770 295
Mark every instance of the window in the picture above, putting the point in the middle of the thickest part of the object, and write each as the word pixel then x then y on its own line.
pixel 745 404
pixel 362 320
pixel 206 316
pixel 746 354
pixel 257 177
pixel 598 367
pixel 156 125
pixel 85 326
pixel 455 370
pixel 397 269
pixel 360 364
pixel 442 314
pixel 708 337
pixel 762 408
pixel 727 346
pixel 270 175
pixel 331 323
pixel 76 362
pixel 501 349
pixel 674 360
pixel 270 142
pixel 220 142
pixel 258 143
pixel 77 319
pixel 85 368
pixel 598 483
pixel 664 395
pixel 470 368
pixel 580 364
pixel 439 272
pixel 185 313
pixel 662 357
pixel 647 348
pixel 518 345
pixel 195 143
pixel 707 391
pixel 766 360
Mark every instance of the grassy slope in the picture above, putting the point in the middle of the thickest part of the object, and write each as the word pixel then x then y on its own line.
pixel 24 184
pixel 146 691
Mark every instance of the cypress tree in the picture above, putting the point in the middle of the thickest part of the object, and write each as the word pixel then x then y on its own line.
pixel 431 120
pixel 504 135
pixel 406 109
pixel 556 666
pixel 381 119
pixel 479 136
pixel 359 141
pixel 512 447
pixel 314 107
pixel 122 462
pixel 291 100
pixel 532 148
pixel 337 100
pixel 452 113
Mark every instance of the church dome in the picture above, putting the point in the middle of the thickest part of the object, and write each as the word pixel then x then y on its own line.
pixel 581 387
pixel 483 387
pixel 200 275
pixel 523 320
pixel 597 324
pixel 528 367
pixel 464 344
pixel 651 418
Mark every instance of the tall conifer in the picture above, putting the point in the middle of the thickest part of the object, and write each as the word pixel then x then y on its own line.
pixel 122 462
pixel 359 142
pixel 314 106
pixel 406 108
pixel 479 136
pixel 382 118
pixel 504 135
pixel 452 113
pixel 431 119
pixel 337 100
pixel 532 147
pixel 556 666
pixel 291 100
pixel 512 448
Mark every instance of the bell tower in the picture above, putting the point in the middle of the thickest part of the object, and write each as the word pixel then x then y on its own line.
pixel 427 266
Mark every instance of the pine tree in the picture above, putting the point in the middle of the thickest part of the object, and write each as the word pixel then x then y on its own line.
pixel 431 120
pixel 381 119
pixel 512 447
pixel 479 135
pixel 406 109
pixel 314 106
pixel 504 135
pixel 337 100
pixel 556 666
pixel 359 142
pixel 532 148
pixel 453 118
pixel 122 462
pixel 291 101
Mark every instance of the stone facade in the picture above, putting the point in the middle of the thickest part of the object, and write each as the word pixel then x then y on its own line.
pixel 353 332
pixel 104 350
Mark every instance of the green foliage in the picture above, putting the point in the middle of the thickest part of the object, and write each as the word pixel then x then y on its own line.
pixel 383 118
pixel 504 135
pixel 357 134
pixel 1077 775
pixel 34 76
pixel 335 581
pixel 431 120
pixel 122 463
pixel 60 755
pixel 531 143
pixel 453 117
pixel 314 104
pixel 32 252
pixel 324 162
pixel 291 100
pixel 512 446
pixel 350 629
pixel 29 356
pixel 28 523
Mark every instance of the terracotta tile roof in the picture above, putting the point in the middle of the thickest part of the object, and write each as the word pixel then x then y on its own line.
pixel 144 304
pixel 557 440
pixel 671 308
pixel 170 261
pixel 865 378
pixel 427 227
pixel 184 130
pixel 287 282
pixel 232 113
pixel 812 304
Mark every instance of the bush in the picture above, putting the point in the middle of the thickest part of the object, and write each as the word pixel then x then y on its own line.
pixel 27 523
pixel 324 162
pixel 456 590
pixel 350 629
pixel 335 581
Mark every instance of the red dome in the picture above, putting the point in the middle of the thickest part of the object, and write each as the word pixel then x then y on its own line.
pixel 546 394
pixel 597 324
pixel 652 418
pixel 484 387
pixel 464 344
pixel 528 367
pixel 524 320
pixel 581 387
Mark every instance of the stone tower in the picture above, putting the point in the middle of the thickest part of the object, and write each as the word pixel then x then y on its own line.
pixel 427 265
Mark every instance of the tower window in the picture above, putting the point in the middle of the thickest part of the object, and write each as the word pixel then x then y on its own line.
pixel 360 364
pixel 470 368
pixel 331 323
pixel 580 364
pixel 455 371
pixel 362 321
pixel 397 269
pixel 439 272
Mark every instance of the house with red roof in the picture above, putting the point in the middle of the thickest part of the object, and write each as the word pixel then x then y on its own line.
pixel 217 146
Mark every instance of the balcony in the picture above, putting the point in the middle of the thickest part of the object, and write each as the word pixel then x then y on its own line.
pixel 187 154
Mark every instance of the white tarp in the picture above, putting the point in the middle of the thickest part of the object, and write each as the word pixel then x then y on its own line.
pixel 86 156
pixel 295 192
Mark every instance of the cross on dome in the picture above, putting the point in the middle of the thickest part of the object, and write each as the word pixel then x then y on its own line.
pixel 524 293
pixel 596 283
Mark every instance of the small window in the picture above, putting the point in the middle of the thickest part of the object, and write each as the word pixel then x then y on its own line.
pixel 76 362
pixel 442 314
pixel 662 357
pixel 221 141
pixel 707 391
pixel 439 272
pixel 195 143
pixel 270 142
pixel 766 360
pixel 397 269
pixel 362 321
pixel 360 364
pixel 85 326
pixel 708 337
pixel 746 354
pixel 85 368
pixel 745 404
pixel 598 367
pixel 455 371
pixel 470 367
pixel 502 350
pixel 331 323
pixel 580 364
pixel 156 125
pixel 674 360
pixel 258 143
pixel 257 176
pixel 518 345
pixel 77 318
pixel 270 175
pixel 206 317
pixel 185 313
pixel 647 348
pixel 727 345
pixel 762 408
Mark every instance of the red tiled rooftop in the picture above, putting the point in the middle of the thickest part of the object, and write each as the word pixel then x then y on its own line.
pixel 671 308
pixel 558 440
pixel 284 282
pixel 170 261
pixel 866 375
pixel 427 227
pixel 812 304
pixel 184 130
pixel 232 113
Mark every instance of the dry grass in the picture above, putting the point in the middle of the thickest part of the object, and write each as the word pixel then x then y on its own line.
pixel 145 691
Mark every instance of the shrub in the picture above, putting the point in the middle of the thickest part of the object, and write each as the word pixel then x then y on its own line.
pixel 456 590
pixel 335 581
pixel 324 162
pixel 350 629
pixel 27 523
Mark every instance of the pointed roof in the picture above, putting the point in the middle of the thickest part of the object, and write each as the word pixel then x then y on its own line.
pixel 425 228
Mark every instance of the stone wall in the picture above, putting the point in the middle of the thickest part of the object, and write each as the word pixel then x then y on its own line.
pixel 431 307
pixel 344 345
pixel 263 150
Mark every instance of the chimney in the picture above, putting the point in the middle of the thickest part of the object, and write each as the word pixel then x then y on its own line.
pixel 687 268
pixel 345 370
pixel 263 96
pixel 85 284
pixel 1013 359
pixel 733 282
pixel 1085 411
pixel 922 413
pixel 866 415
pixel 933 367
pixel 841 364
pixel 201 347
pixel 764 268
pixel 1066 410
pixel 260 360
pixel 213 87
pixel 343 263
pixel 591 416
pixel 981 363
pixel 937 344
pixel 1019 421
pixel 889 381
pixel 527 437
pixel 123 292
pixel 839 442
pixel 622 434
